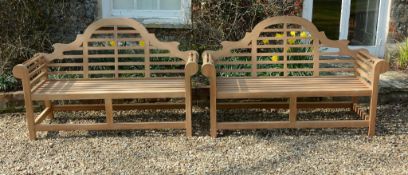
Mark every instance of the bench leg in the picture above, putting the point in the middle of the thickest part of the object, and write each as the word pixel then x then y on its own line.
pixel 48 104
pixel 189 128
pixel 30 119
pixel 109 111
pixel 213 117
pixel 372 114
pixel 292 110
pixel 354 101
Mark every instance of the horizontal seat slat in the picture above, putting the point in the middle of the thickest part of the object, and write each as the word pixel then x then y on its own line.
pixel 281 87
pixel 99 89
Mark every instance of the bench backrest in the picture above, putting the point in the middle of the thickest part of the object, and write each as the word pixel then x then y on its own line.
pixel 116 48
pixel 285 46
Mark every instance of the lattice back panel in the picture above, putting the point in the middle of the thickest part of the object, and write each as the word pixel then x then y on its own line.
pixel 110 49
pixel 284 47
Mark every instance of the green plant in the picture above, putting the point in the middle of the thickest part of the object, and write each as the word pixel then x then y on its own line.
pixel 226 20
pixel 403 55
pixel 31 26
pixel 7 82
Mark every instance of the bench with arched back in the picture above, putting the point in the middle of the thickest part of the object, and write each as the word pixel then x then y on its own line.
pixel 113 59
pixel 287 57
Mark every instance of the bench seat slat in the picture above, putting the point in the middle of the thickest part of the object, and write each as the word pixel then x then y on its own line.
pixel 284 87
pixel 99 89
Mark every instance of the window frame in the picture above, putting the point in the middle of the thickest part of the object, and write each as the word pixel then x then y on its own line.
pixel 378 48
pixel 155 18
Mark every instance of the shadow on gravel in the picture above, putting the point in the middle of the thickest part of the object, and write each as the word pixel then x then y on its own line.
pixel 391 120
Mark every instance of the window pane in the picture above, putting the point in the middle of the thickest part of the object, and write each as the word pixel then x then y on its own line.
pixel 147 4
pixel 326 16
pixel 123 4
pixel 363 22
pixel 170 4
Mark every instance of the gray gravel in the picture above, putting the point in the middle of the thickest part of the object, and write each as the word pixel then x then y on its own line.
pixel 277 151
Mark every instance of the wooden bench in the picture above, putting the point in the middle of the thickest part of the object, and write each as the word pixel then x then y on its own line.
pixel 287 57
pixel 113 59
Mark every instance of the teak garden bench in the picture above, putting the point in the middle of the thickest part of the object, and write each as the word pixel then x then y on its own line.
pixel 113 59
pixel 287 57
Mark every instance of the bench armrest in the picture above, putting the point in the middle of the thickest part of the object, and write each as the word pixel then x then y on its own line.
pixel 191 67
pixel 208 67
pixel 370 67
pixel 32 72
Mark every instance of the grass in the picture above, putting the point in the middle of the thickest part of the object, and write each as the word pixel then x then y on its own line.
pixel 7 82
pixel 403 55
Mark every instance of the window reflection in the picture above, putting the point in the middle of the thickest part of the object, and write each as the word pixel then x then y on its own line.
pixel 363 22
pixel 326 17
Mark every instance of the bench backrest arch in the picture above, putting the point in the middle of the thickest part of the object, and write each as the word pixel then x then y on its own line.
pixel 285 46
pixel 117 48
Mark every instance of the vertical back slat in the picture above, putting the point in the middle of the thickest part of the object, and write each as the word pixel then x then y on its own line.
pixel 316 57
pixel 147 58
pixel 85 59
pixel 254 52
pixel 115 36
pixel 285 50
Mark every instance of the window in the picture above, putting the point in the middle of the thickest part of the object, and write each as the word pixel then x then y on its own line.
pixel 362 22
pixel 170 12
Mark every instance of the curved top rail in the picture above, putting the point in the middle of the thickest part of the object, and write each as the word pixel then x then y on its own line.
pixel 59 48
pixel 285 20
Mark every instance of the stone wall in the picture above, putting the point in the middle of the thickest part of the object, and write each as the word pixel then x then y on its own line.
pixel 398 20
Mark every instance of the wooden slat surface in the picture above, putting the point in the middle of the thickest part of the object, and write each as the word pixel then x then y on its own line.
pixel 116 126
pixel 98 89
pixel 283 87
pixel 298 124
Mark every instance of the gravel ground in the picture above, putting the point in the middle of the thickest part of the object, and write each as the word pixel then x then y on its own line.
pixel 277 151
